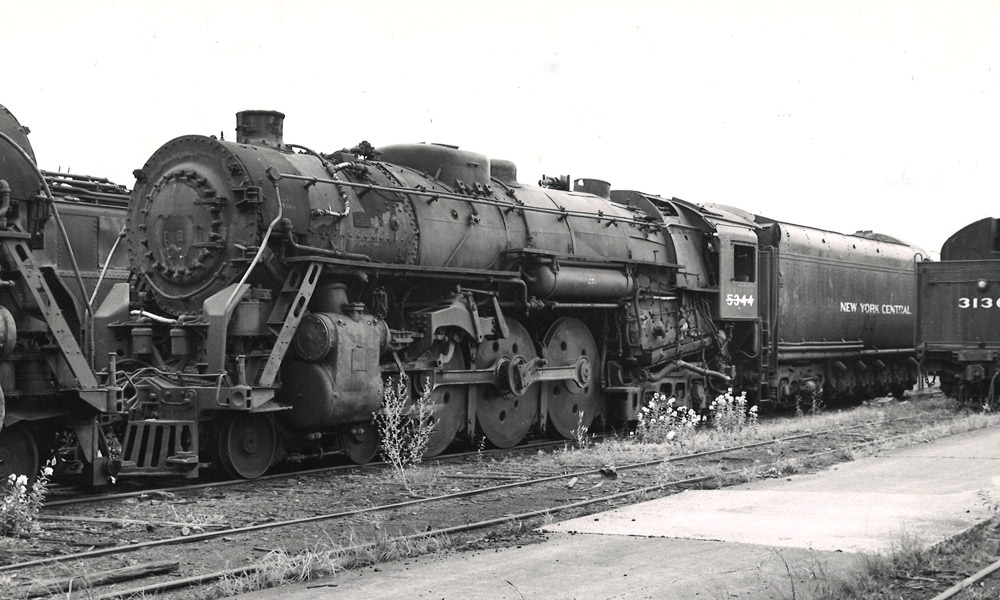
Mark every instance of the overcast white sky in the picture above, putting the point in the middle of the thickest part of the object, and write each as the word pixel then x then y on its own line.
pixel 850 114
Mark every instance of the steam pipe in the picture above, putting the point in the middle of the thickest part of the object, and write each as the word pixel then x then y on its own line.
pixel 152 317
pixel 107 263
pixel 336 182
pixel 838 353
pixel 680 365
pixel 472 200
pixel 322 251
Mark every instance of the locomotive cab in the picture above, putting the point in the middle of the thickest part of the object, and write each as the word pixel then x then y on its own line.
pixel 737 264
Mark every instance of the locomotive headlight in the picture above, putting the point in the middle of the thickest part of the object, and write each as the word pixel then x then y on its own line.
pixel 983 284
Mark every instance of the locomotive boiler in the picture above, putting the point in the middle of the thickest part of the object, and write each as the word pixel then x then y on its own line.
pixel 958 316
pixel 276 287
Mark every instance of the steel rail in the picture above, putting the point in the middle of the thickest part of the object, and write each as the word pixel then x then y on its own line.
pixel 278 476
pixel 406 503
pixel 968 582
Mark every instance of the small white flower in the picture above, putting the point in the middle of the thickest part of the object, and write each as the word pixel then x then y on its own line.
pixel 47 471
pixel 671 435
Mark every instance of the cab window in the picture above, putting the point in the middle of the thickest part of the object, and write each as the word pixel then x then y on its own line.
pixel 744 263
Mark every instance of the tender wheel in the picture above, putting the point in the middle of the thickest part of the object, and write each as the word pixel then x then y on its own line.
pixel 506 420
pixel 18 452
pixel 569 405
pixel 450 403
pixel 360 442
pixel 246 443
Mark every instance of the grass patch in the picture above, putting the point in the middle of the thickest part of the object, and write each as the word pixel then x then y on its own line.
pixel 940 416
pixel 280 567
pixel 911 571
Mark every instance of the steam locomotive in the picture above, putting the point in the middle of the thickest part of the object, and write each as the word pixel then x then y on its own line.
pixel 273 289
pixel 958 321
pixel 58 232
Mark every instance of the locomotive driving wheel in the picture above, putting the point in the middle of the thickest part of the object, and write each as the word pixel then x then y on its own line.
pixel 360 442
pixel 246 443
pixel 449 403
pixel 571 406
pixel 18 452
pixel 505 418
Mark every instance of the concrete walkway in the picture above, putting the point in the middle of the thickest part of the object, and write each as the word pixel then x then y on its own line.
pixel 776 538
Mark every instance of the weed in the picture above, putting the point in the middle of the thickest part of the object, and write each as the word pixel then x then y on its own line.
pixel 788 570
pixel 404 426
pixel 279 567
pixel 580 433
pixel 19 508
pixel 845 453
pixel 479 449
pixel 730 416
pixel 9 585
pixel 548 518
pixel 661 420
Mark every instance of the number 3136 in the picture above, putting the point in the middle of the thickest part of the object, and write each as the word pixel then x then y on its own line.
pixel 978 303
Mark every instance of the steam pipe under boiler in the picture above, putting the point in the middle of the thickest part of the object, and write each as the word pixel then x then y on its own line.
pixel 841 353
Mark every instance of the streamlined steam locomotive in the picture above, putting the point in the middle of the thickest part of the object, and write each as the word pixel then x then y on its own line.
pixel 958 321
pixel 273 289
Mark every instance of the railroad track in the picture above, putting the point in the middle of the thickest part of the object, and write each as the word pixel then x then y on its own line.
pixel 84 498
pixel 78 495
pixel 957 590
pixel 343 526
